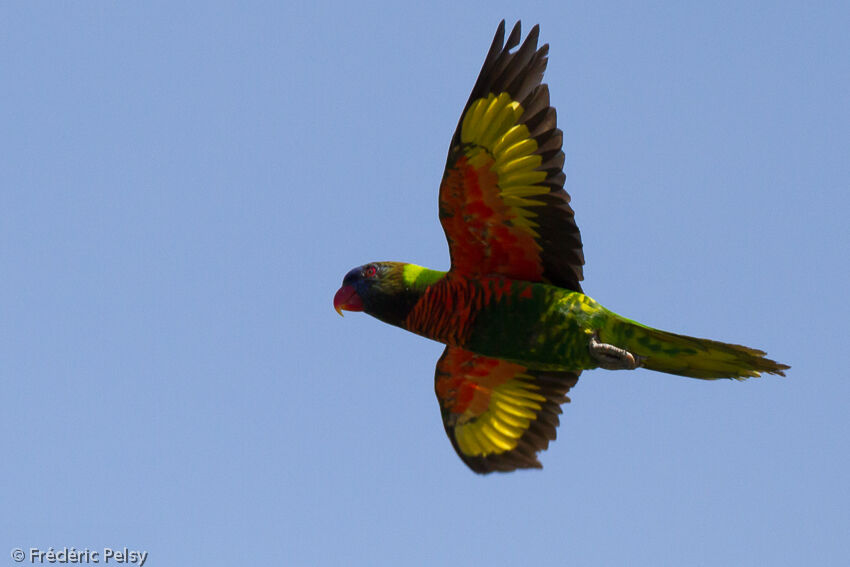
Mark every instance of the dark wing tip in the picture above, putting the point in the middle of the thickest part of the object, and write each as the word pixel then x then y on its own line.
pixel 498 41
pixel 516 33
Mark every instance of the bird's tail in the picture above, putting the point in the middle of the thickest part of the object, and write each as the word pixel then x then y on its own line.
pixel 690 356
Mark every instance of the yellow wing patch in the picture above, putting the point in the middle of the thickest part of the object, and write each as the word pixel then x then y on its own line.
pixel 513 406
pixel 498 142
pixel 498 414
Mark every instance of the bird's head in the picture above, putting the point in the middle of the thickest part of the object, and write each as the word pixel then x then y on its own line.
pixel 381 289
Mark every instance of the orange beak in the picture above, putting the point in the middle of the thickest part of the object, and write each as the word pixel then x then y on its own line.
pixel 346 298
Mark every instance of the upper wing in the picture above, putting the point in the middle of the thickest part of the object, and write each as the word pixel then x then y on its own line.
pixel 498 414
pixel 502 200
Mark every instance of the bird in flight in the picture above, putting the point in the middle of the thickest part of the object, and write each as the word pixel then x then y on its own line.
pixel 517 327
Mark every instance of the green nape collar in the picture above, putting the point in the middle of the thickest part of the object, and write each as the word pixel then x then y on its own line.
pixel 417 276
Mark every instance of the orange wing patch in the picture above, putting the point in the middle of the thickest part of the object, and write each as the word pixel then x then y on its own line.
pixel 488 191
pixel 502 203
pixel 498 414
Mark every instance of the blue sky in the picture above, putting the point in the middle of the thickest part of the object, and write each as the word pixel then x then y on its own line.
pixel 184 186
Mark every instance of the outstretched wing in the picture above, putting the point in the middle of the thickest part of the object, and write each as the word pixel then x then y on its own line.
pixel 502 201
pixel 498 414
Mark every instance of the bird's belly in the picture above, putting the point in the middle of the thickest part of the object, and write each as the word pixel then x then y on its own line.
pixel 538 325
pixel 549 331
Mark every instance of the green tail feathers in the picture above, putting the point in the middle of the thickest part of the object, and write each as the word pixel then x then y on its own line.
pixel 690 356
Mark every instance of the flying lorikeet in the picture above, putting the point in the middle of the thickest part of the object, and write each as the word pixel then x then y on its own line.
pixel 518 329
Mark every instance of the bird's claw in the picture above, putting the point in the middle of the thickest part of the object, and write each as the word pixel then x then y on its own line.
pixel 610 357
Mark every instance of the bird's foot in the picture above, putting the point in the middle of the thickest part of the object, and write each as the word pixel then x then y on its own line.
pixel 610 357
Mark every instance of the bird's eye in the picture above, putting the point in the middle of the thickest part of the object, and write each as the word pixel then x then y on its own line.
pixel 370 271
